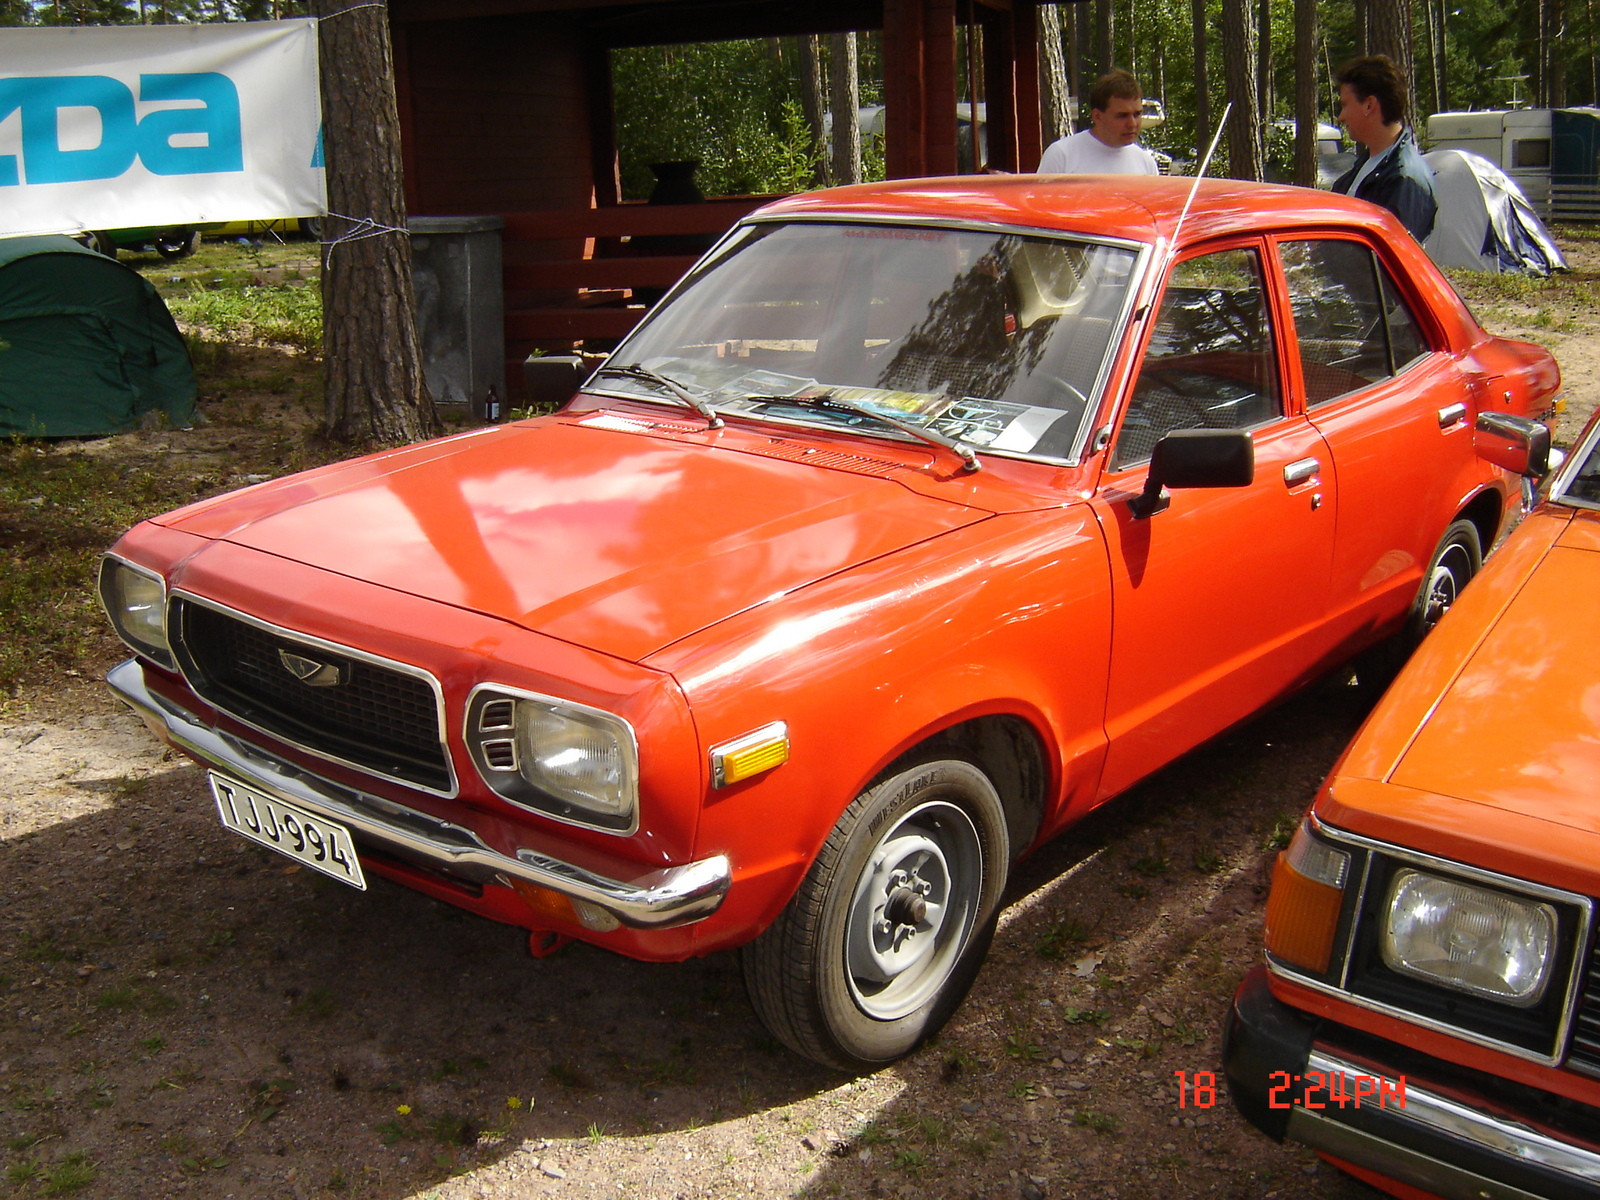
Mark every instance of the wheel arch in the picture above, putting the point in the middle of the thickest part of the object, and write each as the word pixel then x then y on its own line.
pixel 1486 510
pixel 1010 751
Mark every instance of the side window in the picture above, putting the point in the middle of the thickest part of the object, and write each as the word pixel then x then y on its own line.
pixel 1352 325
pixel 1211 363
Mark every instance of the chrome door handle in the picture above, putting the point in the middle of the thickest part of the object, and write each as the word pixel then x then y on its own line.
pixel 1300 471
pixel 1451 414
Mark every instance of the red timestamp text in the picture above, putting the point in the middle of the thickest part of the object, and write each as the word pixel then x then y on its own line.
pixel 1199 1090
pixel 1335 1089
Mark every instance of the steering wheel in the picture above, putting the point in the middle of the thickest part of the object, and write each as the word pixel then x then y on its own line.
pixel 1066 386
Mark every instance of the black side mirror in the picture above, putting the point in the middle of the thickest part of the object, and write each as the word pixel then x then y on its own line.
pixel 1195 458
pixel 1518 444
pixel 552 379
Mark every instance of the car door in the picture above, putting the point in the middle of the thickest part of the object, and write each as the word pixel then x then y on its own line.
pixel 1218 601
pixel 1396 415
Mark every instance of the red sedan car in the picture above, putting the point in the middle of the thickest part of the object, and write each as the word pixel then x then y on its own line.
pixel 920 519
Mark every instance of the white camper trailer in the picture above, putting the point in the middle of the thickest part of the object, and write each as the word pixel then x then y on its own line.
pixel 1553 154
pixel 1515 140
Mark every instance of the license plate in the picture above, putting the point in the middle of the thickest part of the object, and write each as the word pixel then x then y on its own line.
pixel 317 842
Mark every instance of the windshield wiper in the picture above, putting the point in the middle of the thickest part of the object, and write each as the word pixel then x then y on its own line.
pixel 676 390
pixel 827 400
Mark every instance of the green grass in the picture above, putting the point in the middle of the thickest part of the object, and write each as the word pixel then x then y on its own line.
pixel 71 1174
pixel 57 513
pixel 289 315
pixel 1100 1122
pixel 1063 938
pixel 226 292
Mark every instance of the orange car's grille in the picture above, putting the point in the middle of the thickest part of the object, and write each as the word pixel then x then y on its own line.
pixel 1584 1050
pixel 360 712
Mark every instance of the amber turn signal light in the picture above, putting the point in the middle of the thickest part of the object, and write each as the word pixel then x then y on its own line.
pixel 1303 909
pixel 750 755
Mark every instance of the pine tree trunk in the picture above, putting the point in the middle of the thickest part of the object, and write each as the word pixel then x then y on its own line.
pixel 844 96
pixel 1389 32
pixel 372 362
pixel 1441 90
pixel 1105 44
pixel 1238 69
pixel 1202 89
pixel 1554 72
pixel 812 101
pixel 1053 86
pixel 1264 95
pixel 1306 80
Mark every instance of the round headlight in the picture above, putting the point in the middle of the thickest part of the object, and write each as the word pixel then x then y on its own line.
pixel 1469 938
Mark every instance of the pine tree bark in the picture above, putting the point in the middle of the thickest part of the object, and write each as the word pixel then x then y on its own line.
pixel 1202 88
pixel 1238 69
pixel 1306 80
pixel 1441 89
pixel 1553 70
pixel 372 361
pixel 1105 44
pixel 1264 94
pixel 1389 32
pixel 1054 89
pixel 844 95
pixel 812 102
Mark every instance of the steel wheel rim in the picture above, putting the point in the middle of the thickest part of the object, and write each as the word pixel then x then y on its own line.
pixel 913 910
pixel 1450 574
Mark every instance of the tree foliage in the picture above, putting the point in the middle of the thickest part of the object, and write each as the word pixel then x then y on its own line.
pixel 146 12
pixel 726 105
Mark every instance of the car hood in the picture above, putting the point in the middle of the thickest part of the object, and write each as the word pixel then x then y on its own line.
pixel 583 529
pixel 1518 728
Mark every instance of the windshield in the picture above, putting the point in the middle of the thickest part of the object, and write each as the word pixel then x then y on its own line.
pixel 1579 481
pixel 992 338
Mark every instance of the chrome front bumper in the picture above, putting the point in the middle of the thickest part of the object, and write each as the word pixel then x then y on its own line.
pixel 661 899
pixel 1439 1128
pixel 1413 1130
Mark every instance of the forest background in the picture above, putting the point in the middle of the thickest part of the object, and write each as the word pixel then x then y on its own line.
pixel 754 113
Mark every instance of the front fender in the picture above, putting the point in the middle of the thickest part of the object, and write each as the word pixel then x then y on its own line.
pixel 1011 616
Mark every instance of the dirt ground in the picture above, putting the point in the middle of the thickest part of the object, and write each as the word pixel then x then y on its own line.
pixel 184 1013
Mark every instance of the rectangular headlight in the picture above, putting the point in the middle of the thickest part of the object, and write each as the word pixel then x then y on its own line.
pixel 1470 939
pixel 568 760
pixel 135 600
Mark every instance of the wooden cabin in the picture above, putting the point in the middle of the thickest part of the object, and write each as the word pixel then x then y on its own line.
pixel 505 109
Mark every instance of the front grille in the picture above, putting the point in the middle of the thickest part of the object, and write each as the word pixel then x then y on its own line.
pixel 1584 1052
pixel 368 714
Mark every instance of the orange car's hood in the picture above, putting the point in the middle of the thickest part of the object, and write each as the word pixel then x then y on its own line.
pixel 602 537
pixel 1518 729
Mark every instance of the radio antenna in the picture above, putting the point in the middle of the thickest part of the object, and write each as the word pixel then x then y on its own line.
pixel 1205 164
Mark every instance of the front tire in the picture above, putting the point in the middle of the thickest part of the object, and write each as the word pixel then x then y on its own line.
pixel 886 933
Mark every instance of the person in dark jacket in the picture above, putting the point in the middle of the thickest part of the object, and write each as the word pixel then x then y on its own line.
pixel 1389 169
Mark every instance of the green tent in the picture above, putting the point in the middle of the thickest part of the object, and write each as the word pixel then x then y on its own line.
pixel 87 346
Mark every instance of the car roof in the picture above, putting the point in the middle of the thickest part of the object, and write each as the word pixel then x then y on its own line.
pixel 1141 208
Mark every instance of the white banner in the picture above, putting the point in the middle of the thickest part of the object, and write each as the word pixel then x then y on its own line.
pixel 133 126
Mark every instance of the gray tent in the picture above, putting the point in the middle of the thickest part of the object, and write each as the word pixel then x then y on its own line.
pixel 1485 222
pixel 87 345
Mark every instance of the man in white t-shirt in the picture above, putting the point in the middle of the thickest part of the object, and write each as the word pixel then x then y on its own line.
pixel 1110 146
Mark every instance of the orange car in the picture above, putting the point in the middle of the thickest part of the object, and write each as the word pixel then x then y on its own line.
pixel 1429 1013
pixel 917 521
